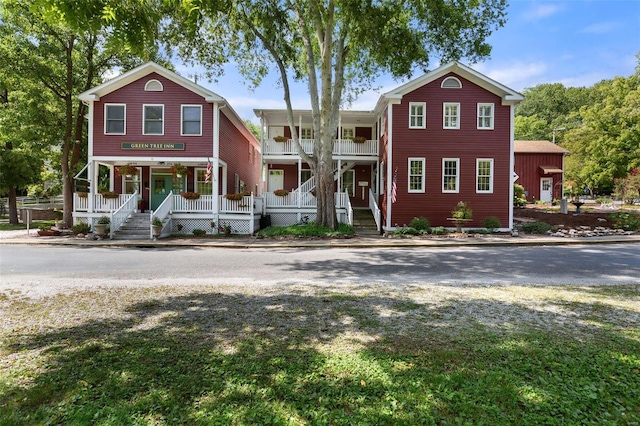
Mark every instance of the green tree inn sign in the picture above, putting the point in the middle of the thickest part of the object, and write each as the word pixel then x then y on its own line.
pixel 153 146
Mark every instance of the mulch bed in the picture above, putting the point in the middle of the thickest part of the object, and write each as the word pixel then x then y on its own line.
pixel 571 220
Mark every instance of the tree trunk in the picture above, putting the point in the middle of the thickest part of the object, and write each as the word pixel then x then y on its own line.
pixel 13 206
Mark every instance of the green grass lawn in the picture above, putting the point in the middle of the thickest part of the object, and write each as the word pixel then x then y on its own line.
pixel 306 356
pixel 34 225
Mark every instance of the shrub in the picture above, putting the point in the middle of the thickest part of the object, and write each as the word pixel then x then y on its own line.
pixel 199 232
pixel 420 224
pixel 81 228
pixel 536 228
pixel 405 230
pixel 626 221
pixel 439 230
pixel 492 223
pixel 519 198
pixel 103 220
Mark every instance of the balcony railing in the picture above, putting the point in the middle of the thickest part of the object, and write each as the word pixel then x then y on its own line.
pixel 299 200
pixel 340 147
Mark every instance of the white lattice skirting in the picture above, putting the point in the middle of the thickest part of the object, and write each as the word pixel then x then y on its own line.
pixel 187 226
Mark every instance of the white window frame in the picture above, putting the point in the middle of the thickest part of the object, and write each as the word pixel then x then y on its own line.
pixel 144 119
pixel 153 85
pixel 446 116
pixel 443 85
pixel 306 133
pixel 413 117
pixel 349 129
pixel 182 107
pixel 197 182
pixel 483 191
pixel 422 175
pixel 106 107
pixel 482 118
pixel 445 176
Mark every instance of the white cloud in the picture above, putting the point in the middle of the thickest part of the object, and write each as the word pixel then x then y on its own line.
pixel 539 11
pixel 516 76
pixel 600 28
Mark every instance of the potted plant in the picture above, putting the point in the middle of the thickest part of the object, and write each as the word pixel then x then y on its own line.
pixel 190 195
pixel 234 197
pixel 280 138
pixel 359 139
pixel 460 214
pixel 44 230
pixel 109 194
pixel 178 170
pixel 59 214
pixel 127 170
pixel 156 226
pixel 281 192
pixel 101 226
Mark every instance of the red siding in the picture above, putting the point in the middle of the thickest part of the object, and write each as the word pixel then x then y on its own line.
pixel 527 167
pixel 240 154
pixel 172 97
pixel 467 143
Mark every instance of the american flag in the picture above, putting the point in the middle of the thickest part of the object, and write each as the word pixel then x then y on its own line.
pixel 394 187
pixel 207 176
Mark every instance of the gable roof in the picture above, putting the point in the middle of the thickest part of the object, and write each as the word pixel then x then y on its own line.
pixel 145 69
pixel 538 147
pixel 509 96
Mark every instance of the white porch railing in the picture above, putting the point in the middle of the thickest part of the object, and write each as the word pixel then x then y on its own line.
pixel 373 206
pixel 202 204
pixel 245 205
pixel 100 203
pixel 340 147
pixel 119 216
pixel 303 199
pixel 163 212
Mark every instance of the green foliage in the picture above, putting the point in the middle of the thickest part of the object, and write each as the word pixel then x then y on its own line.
pixel 531 128
pixel 406 230
pixel 81 228
pixel 420 224
pixel 462 211
pixel 628 188
pixel 439 230
pixel 199 232
pixel 104 220
pixel 492 223
pixel 626 221
pixel 536 227
pixel 156 221
pixel 307 230
pixel 519 198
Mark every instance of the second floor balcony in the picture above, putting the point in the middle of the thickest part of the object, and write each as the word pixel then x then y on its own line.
pixel 341 147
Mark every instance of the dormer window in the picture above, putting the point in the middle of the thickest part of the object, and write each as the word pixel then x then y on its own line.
pixel 451 83
pixel 153 86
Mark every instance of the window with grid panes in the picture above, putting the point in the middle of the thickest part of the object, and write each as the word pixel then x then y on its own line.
pixel 416 174
pixel 450 174
pixel 485 116
pixel 484 175
pixel 451 115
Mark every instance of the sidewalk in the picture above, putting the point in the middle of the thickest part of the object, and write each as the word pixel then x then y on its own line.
pixel 245 242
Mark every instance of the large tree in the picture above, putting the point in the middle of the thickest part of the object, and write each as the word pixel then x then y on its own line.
pixel 66 48
pixel 337 47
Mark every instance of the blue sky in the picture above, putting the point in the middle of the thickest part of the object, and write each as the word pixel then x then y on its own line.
pixel 573 42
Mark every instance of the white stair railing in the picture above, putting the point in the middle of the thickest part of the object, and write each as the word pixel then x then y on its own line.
pixel 373 206
pixel 119 216
pixel 163 212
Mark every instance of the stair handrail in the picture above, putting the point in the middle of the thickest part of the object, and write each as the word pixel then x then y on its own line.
pixel 373 206
pixel 162 212
pixel 119 216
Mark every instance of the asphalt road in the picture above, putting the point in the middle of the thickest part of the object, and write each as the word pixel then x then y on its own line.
pixel 50 266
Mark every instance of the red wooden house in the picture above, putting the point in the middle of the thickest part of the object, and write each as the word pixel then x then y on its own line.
pixel 156 122
pixel 539 166
pixel 447 137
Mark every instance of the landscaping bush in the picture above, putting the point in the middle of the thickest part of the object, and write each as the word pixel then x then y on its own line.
pixel 439 230
pixel 420 224
pixel 492 223
pixel 405 230
pixel 199 232
pixel 536 228
pixel 519 198
pixel 307 230
pixel 81 228
pixel 626 221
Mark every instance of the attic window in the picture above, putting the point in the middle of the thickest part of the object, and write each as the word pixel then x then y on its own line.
pixel 451 83
pixel 153 86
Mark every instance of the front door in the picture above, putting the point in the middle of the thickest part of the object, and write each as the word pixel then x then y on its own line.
pixel 276 180
pixel 160 188
pixel 546 189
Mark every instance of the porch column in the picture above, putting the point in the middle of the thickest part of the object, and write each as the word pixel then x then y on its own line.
pixel 92 178
pixel 215 161
pixel 299 181
pixel 339 182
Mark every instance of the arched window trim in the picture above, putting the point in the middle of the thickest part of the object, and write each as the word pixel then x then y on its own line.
pixel 150 86
pixel 443 85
